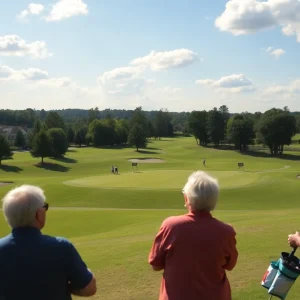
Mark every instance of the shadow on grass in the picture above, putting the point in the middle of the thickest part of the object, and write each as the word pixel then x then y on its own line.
pixel 144 158
pixel 115 147
pixel 13 169
pixel 257 153
pixel 52 167
pixel 153 148
pixel 147 152
pixel 71 150
pixel 67 160
pixel 284 156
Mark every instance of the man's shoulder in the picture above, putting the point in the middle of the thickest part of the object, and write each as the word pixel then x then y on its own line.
pixel 5 240
pixel 173 221
pixel 224 226
pixel 57 240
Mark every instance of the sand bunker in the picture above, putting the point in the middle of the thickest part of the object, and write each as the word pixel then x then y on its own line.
pixel 4 183
pixel 146 160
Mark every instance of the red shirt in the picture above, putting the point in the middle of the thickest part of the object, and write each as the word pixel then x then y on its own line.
pixel 194 250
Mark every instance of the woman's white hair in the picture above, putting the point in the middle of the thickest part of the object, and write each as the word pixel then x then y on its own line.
pixel 202 191
pixel 21 204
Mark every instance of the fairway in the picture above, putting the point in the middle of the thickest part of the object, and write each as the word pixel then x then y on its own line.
pixel 163 179
pixel 112 219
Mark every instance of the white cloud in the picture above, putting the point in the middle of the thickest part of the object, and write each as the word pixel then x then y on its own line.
pixel 123 73
pixel 250 16
pixel 13 45
pixel 170 90
pixel 289 90
pixel 65 9
pixel 276 53
pixel 34 76
pixel 8 74
pixel 33 9
pixel 157 61
pixel 235 83
pixel 57 82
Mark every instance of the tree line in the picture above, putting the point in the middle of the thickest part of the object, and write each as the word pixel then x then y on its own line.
pixel 51 136
pixel 273 128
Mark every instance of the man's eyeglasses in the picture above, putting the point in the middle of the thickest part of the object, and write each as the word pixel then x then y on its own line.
pixel 46 206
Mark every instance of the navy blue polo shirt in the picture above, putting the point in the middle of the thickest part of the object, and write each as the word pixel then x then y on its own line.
pixel 34 266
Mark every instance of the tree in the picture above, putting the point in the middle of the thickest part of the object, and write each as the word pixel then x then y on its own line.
pixel 137 137
pixel 93 114
pixel 42 145
pixel 59 142
pixel 20 140
pixel 276 129
pixel 139 117
pixel 54 120
pixel 198 126
pixel 151 130
pixel 215 126
pixel 162 124
pixel 223 109
pixel 122 129
pixel 5 151
pixel 102 132
pixel 80 136
pixel 37 126
pixel 71 135
pixel 240 131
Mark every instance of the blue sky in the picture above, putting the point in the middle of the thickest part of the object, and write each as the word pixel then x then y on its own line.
pixel 180 55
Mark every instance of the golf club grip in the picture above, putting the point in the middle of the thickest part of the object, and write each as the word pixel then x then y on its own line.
pixel 293 252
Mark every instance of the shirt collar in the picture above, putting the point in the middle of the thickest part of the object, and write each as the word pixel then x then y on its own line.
pixel 200 213
pixel 28 231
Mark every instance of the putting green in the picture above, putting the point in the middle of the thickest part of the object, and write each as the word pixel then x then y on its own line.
pixel 162 179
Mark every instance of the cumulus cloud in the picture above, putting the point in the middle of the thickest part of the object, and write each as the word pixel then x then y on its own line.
pixel 129 80
pixel 250 16
pixel 233 83
pixel 13 45
pixel 65 9
pixel 32 9
pixel 276 53
pixel 170 90
pixel 123 73
pixel 289 90
pixel 33 75
pixel 157 61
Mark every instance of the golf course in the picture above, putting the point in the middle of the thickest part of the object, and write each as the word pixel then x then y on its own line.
pixel 112 219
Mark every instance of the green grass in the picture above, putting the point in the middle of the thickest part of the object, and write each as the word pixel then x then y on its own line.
pixel 118 216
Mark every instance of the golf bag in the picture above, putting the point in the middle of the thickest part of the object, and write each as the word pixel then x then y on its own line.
pixel 281 275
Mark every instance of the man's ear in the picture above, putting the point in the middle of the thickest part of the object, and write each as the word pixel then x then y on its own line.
pixel 38 214
pixel 186 200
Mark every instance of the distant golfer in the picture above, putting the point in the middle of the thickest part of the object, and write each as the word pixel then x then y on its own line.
pixel 204 162
pixel 194 250
pixel 113 169
pixel 33 265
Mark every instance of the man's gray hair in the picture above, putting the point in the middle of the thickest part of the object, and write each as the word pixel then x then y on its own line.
pixel 202 191
pixel 21 204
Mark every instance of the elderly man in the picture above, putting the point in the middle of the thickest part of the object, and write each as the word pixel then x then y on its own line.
pixel 194 250
pixel 33 265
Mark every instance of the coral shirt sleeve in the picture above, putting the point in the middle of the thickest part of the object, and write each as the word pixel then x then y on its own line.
pixel 158 251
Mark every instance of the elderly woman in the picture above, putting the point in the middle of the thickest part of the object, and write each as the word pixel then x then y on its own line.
pixel 195 249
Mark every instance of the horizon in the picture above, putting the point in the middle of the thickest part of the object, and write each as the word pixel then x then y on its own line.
pixel 238 53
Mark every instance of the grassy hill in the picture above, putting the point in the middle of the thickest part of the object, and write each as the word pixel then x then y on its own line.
pixel 112 219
